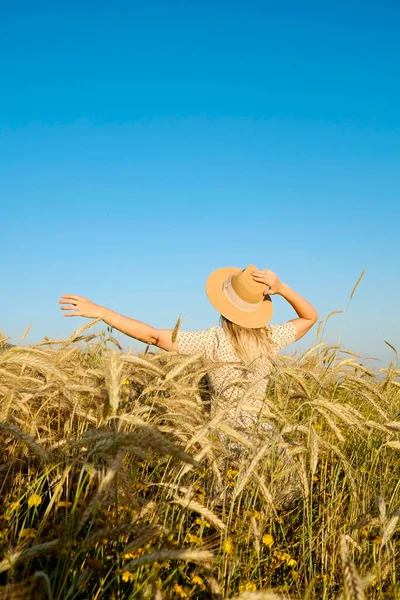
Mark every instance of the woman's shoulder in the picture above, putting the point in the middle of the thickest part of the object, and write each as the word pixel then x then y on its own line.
pixel 282 335
pixel 205 336
pixel 214 331
pixel 197 342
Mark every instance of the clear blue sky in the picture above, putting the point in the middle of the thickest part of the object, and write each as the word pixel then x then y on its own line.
pixel 144 144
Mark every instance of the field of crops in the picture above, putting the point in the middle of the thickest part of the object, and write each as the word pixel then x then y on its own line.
pixel 117 482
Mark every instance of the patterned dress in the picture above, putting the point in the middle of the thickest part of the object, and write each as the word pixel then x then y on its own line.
pixel 237 389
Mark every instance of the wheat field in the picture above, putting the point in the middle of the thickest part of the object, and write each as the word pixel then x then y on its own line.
pixel 116 480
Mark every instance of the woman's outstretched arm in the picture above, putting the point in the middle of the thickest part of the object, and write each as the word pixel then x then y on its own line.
pixel 307 315
pixel 77 306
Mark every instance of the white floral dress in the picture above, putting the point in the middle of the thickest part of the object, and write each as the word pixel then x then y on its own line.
pixel 237 390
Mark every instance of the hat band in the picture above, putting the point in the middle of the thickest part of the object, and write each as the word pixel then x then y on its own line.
pixel 236 300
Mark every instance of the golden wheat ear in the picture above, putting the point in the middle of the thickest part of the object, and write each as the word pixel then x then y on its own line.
pixel 3 340
pixel 176 329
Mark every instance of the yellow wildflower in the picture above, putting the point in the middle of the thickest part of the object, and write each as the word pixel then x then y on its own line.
pixel 127 576
pixel 192 539
pixel 202 522
pixel 228 546
pixel 15 506
pixel 178 589
pixel 231 473
pixel 198 581
pixel 27 533
pixel 249 586
pixel 125 382
pixel 254 513
pixel 141 486
pixel 267 539
pixel 285 557
pixel 201 472
pixel 34 500
pixel 131 555
pixel 200 494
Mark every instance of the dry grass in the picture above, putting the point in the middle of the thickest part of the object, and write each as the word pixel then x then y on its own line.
pixel 116 483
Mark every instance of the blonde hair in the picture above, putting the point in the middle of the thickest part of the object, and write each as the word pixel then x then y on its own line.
pixel 249 344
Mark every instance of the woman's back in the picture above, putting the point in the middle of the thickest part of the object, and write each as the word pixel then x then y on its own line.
pixel 235 376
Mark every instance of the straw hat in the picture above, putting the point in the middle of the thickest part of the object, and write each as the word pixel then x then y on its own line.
pixel 235 294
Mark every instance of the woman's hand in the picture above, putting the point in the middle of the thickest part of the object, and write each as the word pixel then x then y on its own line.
pixel 80 307
pixel 270 279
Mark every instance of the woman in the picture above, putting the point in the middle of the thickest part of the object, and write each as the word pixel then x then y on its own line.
pixel 242 348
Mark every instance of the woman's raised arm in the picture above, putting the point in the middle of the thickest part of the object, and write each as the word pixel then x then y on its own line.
pixel 77 306
pixel 305 311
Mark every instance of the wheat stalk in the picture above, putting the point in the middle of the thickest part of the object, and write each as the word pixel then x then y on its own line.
pixel 188 555
pixel 259 596
pixel 17 557
pixel 202 510
pixel 351 578
pixel 25 439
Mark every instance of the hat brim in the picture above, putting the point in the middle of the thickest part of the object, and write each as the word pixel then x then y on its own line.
pixel 254 320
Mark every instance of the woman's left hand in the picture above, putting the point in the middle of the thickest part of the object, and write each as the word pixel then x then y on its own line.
pixel 270 279
pixel 80 307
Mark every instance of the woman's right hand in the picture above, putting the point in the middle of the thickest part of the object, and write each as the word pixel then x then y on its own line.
pixel 269 279
pixel 77 306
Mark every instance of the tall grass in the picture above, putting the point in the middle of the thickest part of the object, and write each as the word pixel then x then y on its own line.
pixel 115 481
